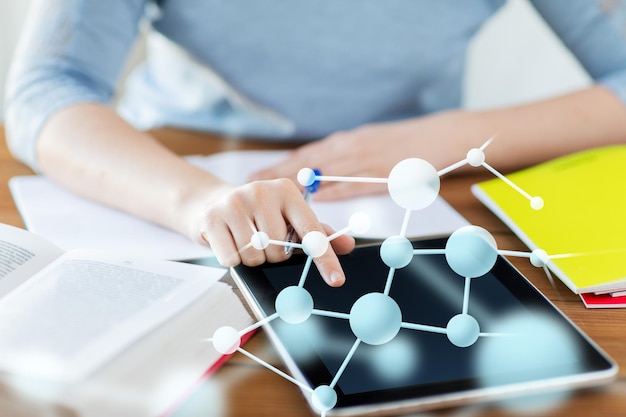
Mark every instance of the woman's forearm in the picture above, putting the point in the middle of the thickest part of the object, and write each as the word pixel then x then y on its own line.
pixel 89 149
pixel 532 133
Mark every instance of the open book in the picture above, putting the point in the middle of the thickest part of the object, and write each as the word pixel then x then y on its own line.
pixel 101 334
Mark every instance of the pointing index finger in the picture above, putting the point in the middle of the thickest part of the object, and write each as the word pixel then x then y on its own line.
pixel 315 242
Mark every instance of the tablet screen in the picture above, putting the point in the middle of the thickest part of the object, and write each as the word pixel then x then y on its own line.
pixel 523 338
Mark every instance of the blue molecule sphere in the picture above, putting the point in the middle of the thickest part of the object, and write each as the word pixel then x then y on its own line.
pixel 463 330
pixel 375 318
pixel 471 251
pixel 396 360
pixel 396 252
pixel 294 304
pixel 324 398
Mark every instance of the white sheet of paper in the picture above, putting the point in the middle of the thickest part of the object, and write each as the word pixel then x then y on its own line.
pixel 73 222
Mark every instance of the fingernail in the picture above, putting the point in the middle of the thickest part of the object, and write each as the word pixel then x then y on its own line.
pixel 336 277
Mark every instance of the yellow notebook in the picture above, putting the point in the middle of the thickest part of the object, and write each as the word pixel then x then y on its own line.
pixel 584 215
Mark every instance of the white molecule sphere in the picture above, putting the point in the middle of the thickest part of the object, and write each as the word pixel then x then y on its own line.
pixel 360 223
pixel 396 252
pixel 536 203
pixel 471 251
pixel 375 318
pixel 463 330
pixel 539 258
pixel 226 340
pixel 324 398
pixel 315 244
pixel 413 184
pixel 306 177
pixel 294 304
pixel 475 157
pixel 260 240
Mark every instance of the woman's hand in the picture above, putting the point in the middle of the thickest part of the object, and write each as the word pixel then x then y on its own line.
pixel 228 224
pixel 373 150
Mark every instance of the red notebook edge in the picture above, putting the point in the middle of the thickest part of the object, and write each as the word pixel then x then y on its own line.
pixel 603 301
pixel 210 371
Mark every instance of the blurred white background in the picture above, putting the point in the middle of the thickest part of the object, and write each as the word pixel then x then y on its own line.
pixel 514 59
pixel 12 14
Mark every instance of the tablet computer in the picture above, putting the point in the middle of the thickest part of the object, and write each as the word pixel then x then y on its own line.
pixel 525 345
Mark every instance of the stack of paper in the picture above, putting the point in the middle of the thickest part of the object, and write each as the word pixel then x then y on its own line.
pixel 582 224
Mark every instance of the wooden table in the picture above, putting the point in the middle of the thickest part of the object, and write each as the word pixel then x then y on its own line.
pixel 241 388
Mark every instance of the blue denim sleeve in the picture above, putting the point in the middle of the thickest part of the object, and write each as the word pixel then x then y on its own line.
pixel 70 51
pixel 595 32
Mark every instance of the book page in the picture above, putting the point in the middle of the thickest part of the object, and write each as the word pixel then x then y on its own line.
pixel 86 307
pixel 158 371
pixel 22 255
